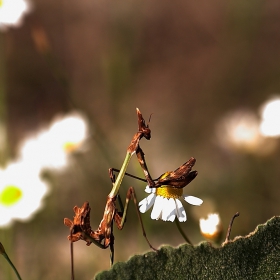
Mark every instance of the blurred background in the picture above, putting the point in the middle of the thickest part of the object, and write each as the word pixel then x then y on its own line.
pixel 205 71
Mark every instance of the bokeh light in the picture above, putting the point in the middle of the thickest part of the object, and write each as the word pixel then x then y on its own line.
pixel 270 114
pixel 240 131
pixel 12 12
pixel 52 147
pixel 211 227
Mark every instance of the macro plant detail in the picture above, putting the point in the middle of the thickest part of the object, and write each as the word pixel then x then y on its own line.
pixel 166 194
pixel 167 204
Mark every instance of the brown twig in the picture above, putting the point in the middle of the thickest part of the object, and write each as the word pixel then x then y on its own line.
pixel 230 227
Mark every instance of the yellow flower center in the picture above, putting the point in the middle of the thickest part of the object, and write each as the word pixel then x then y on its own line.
pixel 169 192
pixel 1 3
pixel 69 147
pixel 10 195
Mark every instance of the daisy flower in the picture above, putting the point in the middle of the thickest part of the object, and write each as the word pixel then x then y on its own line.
pixel 40 150
pixel 166 194
pixel 12 12
pixel 51 148
pixel 167 204
pixel 21 193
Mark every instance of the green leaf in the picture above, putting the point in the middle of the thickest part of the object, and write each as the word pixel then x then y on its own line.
pixel 255 256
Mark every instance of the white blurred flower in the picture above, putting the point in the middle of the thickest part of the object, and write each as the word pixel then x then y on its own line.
pixel 51 148
pixel 240 130
pixel 21 192
pixel 41 151
pixel 12 12
pixel 69 132
pixel 270 114
pixel 167 204
pixel 211 228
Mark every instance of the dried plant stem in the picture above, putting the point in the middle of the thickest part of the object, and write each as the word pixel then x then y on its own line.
pixel 72 260
pixel 230 226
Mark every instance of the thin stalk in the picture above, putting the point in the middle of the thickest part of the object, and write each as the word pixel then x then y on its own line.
pixel 3 252
pixel 72 261
pixel 230 226
pixel 182 232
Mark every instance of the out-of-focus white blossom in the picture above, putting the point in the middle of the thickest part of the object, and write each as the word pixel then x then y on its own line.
pixel 51 148
pixel 12 12
pixel 240 130
pixel 270 114
pixel 21 192
pixel 211 228
pixel 69 132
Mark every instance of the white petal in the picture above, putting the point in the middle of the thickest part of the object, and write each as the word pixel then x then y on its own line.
pixel 170 210
pixel 157 210
pixel 193 200
pixel 146 203
pixel 181 213
pixel 165 208
pixel 150 190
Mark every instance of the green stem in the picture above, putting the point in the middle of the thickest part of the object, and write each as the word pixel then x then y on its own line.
pixel 181 231
pixel 12 265
pixel 121 174
pixel 3 252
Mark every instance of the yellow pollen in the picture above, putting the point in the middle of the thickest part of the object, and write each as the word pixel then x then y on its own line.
pixel 10 195
pixel 69 146
pixel 169 192
pixel 1 3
